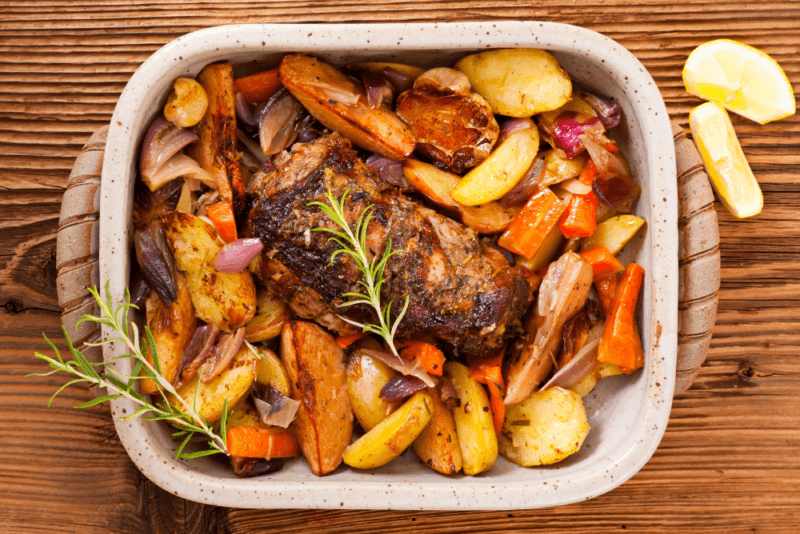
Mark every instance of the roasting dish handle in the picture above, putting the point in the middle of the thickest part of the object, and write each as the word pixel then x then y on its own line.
pixel 77 250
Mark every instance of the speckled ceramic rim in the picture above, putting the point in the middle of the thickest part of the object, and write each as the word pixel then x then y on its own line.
pixel 635 438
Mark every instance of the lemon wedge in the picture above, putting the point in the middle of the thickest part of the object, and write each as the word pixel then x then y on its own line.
pixel 743 79
pixel 724 160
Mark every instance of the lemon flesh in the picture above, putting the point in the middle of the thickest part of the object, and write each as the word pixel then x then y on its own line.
pixel 743 79
pixel 724 160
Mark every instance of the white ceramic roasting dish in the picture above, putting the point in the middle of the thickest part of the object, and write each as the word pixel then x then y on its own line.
pixel 628 414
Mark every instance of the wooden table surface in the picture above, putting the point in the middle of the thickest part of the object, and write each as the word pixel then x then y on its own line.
pixel 730 459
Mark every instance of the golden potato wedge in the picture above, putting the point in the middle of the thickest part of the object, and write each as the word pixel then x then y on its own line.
pixel 172 327
pixel 228 300
pixel 231 384
pixel 473 418
pixel 432 182
pixel 585 386
pixel 501 171
pixel 389 438
pixel 245 414
pixel 545 428
pixel 489 218
pixel 324 422
pixel 378 130
pixel 613 233
pixel 546 252
pixel 267 323
pixel 518 82
pixel 216 151
pixel 453 126
pixel 438 445
pixel 366 376
pixel 436 184
pixel 558 169
pixel 270 371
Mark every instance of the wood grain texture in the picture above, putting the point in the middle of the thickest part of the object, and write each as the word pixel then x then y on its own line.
pixel 729 460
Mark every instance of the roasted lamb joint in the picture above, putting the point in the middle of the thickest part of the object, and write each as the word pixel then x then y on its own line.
pixel 456 292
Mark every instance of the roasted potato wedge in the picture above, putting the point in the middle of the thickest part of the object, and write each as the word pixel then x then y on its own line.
pixel 438 445
pixel 315 84
pixel 389 438
pixel 231 384
pixel 245 414
pixel 473 418
pixel 518 82
pixel 217 152
pixel 545 428
pixel 228 300
pixel 500 173
pixel 267 323
pixel 436 184
pixel 173 327
pixel 270 371
pixel 324 422
pixel 613 233
pixel 366 376
pixel 453 125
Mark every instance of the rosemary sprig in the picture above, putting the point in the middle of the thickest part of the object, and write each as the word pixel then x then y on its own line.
pixel 354 244
pixel 184 416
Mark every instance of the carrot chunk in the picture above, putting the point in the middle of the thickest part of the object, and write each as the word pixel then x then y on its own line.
pixel 259 86
pixel 430 357
pixel 221 214
pixel 530 227
pixel 489 372
pixel 603 263
pixel 255 442
pixel 620 343
pixel 345 341
pixel 581 217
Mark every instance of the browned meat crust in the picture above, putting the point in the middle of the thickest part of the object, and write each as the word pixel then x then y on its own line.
pixel 458 292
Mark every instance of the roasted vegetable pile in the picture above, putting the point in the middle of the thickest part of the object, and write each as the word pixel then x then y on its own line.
pixel 365 260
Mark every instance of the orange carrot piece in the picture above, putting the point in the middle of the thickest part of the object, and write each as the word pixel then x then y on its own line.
pixel 606 289
pixel 430 357
pixel 602 261
pixel 497 405
pixel 611 147
pixel 255 442
pixel 345 341
pixel 221 214
pixel 581 217
pixel 489 372
pixel 259 86
pixel 527 231
pixel 620 343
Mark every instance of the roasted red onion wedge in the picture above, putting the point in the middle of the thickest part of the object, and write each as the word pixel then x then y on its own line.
pixel 162 141
pixel 156 261
pixel 412 368
pixel 578 367
pixel 525 188
pixel 277 127
pixel 390 170
pixel 236 256
pixel 568 128
pixel 243 112
pixel 222 355
pixel 512 126
pixel 197 351
pixel 380 91
pixel 608 109
pixel 400 387
pixel 274 407
pixel 253 467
